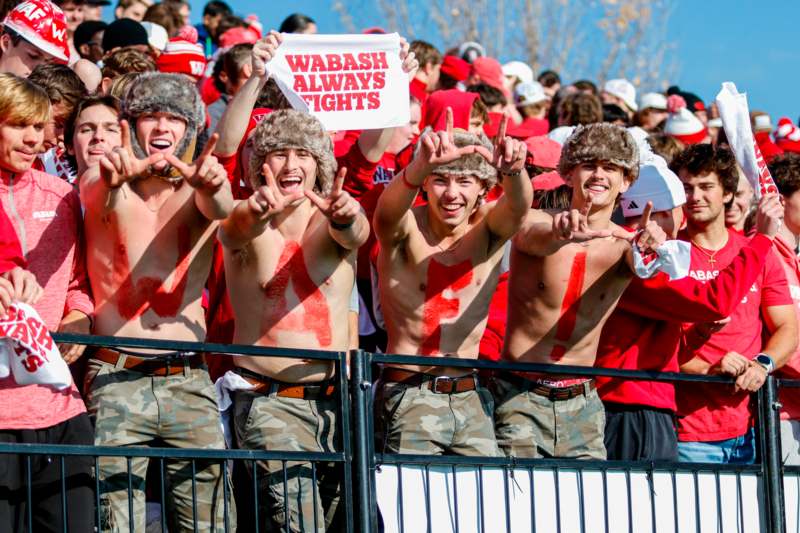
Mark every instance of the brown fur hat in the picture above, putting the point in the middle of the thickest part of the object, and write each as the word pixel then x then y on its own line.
pixel 600 142
pixel 288 128
pixel 472 164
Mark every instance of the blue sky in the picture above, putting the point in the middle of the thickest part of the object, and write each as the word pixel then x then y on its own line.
pixel 753 43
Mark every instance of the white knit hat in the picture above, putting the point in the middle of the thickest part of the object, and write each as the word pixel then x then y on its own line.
pixel 657 184
pixel 529 93
pixel 763 123
pixel 653 101
pixel 622 88
pixel 523 72
pixel 682 124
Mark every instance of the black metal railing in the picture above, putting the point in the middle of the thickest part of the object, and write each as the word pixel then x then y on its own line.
pixel 568 503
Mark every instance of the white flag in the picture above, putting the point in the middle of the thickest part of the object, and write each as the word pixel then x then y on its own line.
pixel 348 82
pixel 736 120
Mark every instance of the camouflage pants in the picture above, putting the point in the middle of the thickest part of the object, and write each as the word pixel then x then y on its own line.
pixel 417 420
pixel 530 425
pixel 266 421
pixel 134 409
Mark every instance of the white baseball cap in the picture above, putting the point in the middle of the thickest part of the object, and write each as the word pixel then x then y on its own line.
pixel 623 89
pixel 653 101
pixel 156 35
pixel 529 93
pixel 656 183
pixel 523 72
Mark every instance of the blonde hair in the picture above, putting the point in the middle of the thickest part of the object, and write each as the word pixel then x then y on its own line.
pixel 22 102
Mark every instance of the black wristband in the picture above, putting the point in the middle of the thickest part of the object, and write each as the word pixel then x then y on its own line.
pixel 341 227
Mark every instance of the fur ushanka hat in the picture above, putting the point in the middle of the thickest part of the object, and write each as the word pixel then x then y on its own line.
pixel 470 164
pixel 600 142
pixel 288 128
pixel 155 92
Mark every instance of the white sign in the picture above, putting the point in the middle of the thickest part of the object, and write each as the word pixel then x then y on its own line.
pixel 348 82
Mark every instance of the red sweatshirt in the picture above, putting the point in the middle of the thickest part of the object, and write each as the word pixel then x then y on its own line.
pixel 46 215
pixel 644 331
pixel 715 412
pixel 790 397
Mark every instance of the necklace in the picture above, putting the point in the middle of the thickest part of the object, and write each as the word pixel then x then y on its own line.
pixel 710 255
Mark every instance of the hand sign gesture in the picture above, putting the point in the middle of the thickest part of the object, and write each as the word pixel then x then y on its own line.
pixel 263 52
pixel 438 147
pixel 339 207
pixel 649 238
pixel 206 173
pixel 268 200
pixel 121 165
pixel 509 154
pixel 573 225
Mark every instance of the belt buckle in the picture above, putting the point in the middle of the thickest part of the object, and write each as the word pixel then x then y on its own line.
pixel 444 379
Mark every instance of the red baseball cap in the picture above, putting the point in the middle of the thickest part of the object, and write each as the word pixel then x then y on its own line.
pixel 490 72
pixel 543 151
pixel 41 23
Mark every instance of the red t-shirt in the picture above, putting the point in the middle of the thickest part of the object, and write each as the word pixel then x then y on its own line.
pixel 790 397
pixel 710 412
pixel 644 331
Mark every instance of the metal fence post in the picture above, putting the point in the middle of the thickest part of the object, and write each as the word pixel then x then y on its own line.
pixel 771 458
pixel 364 458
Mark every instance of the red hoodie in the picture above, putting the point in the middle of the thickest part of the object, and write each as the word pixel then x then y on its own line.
pixel 644 331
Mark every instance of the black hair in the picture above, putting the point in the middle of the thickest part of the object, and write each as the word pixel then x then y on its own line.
pixel 295 23
pixel 217 7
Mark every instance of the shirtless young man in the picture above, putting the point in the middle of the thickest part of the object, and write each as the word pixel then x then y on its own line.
pixel 290 254
pixel 568 270
pixel 438 267
pixel 150 229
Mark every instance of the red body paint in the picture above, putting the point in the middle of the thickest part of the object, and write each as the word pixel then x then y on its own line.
pixel 134 299
pixel 315 315
pixel 569 307
pixel 438 307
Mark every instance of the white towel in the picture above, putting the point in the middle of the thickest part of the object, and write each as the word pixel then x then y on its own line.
pixel 673 258
pixel 28 352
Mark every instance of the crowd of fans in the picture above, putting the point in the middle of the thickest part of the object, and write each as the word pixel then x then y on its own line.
pixel 155 183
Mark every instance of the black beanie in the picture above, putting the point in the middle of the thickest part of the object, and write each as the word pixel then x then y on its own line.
pixel 124 32
pixel 86 30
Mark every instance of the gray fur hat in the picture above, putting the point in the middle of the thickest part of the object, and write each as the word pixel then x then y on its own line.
pixel 156 92
pixel 600 142
pixel 288 128
pixel 471 164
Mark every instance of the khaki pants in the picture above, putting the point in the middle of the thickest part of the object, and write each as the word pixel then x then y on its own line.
pixel 134 409
pixel 420 421
pixel 266 421
pixel 530 425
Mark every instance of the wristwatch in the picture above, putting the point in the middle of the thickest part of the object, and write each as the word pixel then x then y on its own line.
pixel 765 361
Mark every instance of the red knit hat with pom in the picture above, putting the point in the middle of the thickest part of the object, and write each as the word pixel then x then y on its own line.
pixel 682 124
pixel 183 55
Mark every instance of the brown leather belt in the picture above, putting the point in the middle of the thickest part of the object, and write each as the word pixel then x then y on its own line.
pixel 553 394
pixel 154 366
pixel 298 391
pixel 437 384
